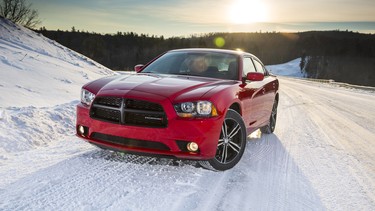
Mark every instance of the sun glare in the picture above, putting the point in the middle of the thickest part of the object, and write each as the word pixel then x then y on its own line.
pixel 247 11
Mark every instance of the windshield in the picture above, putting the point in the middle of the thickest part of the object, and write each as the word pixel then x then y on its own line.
pixel 205 64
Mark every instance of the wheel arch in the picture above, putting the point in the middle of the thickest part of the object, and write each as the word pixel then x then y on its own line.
pixel 236 106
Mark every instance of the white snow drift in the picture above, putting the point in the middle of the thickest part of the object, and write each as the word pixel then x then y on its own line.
pixel 40 85
pixel 36 71
pixel 290 69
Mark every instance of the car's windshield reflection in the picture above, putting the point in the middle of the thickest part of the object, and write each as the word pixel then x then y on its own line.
pixel 213 65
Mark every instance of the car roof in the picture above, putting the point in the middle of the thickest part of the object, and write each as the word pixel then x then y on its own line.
pixel 214 50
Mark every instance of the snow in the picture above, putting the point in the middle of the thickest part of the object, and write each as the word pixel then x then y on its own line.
pixel 40 80
pixel 39 71
pixel 290 69
pixel 321 156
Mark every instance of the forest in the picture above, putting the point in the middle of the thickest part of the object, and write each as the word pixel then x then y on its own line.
pixel 343 56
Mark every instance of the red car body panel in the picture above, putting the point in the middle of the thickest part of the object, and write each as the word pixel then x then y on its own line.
pixel 253 100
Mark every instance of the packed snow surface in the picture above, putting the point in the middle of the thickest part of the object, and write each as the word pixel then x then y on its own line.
pixel 321 156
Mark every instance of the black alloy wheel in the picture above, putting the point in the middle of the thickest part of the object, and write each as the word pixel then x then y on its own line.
pixel 231 144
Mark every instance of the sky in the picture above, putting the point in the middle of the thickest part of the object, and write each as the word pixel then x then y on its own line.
pixel 171 18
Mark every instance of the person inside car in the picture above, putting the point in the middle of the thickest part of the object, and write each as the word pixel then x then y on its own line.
pixel 198 64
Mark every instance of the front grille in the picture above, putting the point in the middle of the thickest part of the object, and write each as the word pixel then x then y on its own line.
pixel 107 114
pixel 142 105
pixel 109 101
pixel 130 142
pixel 128 112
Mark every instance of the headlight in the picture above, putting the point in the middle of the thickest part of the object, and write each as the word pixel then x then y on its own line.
pixel 87 97
pixel 195 109
pixel 188 107
pixel 204 107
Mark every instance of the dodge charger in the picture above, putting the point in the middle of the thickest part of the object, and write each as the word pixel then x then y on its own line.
pixel 197 104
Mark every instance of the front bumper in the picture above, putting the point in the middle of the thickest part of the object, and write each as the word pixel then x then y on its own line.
pixel 168 141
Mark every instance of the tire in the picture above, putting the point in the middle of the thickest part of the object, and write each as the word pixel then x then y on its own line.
pixel 231 144
pixel 270 127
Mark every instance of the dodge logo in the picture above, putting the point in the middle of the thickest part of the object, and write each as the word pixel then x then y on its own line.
pixel 154 118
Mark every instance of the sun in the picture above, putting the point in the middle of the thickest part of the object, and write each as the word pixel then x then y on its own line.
pixel 247 11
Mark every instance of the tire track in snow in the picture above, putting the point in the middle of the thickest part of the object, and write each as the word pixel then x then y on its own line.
pixel 212 189
pixel 277 182
pixel 99 180
pixel 339 157
pixel 45 192
pixel 266 178
pixel 208 188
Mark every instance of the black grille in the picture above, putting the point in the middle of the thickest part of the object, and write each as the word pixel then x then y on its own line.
pixel 107 114
pixel 129 142
pixel 128 112
pixel 109 101
pixel 142 105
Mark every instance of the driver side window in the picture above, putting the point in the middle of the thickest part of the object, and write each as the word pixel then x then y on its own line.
pixel 248 66
pixel 259 66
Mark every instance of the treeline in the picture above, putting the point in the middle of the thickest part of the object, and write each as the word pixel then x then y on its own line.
pixel 338 55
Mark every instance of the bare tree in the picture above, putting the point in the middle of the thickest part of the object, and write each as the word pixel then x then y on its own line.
pixel 19 12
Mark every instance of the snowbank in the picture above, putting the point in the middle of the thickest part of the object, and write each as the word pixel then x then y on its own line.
pixel 291 69
pixel 39 88
pixel 27 127
pixel 36 71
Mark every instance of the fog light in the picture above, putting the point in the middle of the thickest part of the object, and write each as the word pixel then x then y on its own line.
pixel 81 129
pixel 192 146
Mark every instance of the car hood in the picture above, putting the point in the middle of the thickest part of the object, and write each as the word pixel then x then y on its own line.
pixel 170 86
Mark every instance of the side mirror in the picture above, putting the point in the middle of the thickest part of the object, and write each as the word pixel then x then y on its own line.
pixel 138 67
pixel 253 76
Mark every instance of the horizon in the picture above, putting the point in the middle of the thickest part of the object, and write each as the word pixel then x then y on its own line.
pixel 176 18
pixel 359 27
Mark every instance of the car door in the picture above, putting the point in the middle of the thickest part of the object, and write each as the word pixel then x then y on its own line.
pixel 251 95
pixel 268 87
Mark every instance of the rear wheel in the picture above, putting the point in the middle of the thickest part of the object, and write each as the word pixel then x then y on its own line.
pixel 268 129
pixel 231 144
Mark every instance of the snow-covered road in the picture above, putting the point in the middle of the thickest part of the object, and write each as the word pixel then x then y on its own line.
pixel 321 156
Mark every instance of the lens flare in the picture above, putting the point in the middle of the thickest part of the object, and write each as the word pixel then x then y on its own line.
pixel 219 42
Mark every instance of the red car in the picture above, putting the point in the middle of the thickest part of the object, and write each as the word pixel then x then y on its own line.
pixel 197 104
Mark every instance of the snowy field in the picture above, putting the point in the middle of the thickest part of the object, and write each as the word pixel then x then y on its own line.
pixel 321 156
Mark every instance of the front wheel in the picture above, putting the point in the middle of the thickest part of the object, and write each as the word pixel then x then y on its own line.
pixel 231 144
